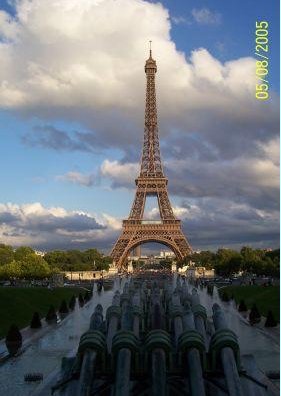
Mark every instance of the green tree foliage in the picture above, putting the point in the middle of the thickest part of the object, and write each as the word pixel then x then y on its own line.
pixel 11 270
pixel 227 262
pixel 56 259
pixel 34 266
pixel 22 252
pixel 75 260
pixel 25 263
pixel 6 254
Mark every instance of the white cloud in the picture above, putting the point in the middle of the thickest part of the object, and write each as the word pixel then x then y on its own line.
pixel 83 61
pixel 272 150
pixel 180 20
pixel 233 178
pixel 204 16
pixel 48 228
pixel 78 178
pixel 120 174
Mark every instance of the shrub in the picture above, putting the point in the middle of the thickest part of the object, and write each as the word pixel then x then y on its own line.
pixel 210 289
pixel 254 316
pixel 13 340
pixel 81 300
pixel 72 303
pixel 242 306
pixel 224 296
pixel 88 295
pixel 270 320
pixel 51 316
pixel 35 321
pixel 63 308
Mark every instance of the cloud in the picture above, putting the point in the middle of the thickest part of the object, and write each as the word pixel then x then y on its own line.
pixel 210 223
pixel 83 62
pixel 78 178
pixel 47 136
pixel 207 223
pixel 214 222
pixel 203 173
pixel 178 20
pixel 254 181
pixel 49 228
pixel 204 16
pixel 120 174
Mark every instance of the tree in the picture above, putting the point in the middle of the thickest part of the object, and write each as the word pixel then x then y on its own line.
pixel 75 260
pixel 92 258
pixel 205 259
pixel 104 263
pixel 22 252
pixel 234 263
pixel 252 260
pixel 6 254
pixel 88 295
pixel 57 259
pixel 34 266
pixel 51 316
pixel 72 303
pixel 81 300
pixel 11 270
pixel 242 306
pixel 224 296
pixel 35 321
pixel 13 340
pixel 254 315
pixel 228 261
pixel 63 308
pixel 270 320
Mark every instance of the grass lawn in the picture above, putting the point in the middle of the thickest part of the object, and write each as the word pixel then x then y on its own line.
pixel 265 297
pixel 17 305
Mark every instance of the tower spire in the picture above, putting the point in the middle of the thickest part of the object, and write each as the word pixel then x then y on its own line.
pixel 151 161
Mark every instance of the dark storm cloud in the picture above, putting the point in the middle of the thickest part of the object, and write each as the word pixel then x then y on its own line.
pixel 233 181
pixel 73 223
pixel 6 217
pixel 43 228
pixel 49 137
pixel 218 223
pixel 49 222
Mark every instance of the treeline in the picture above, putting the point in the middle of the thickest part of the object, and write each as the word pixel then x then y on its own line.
pixel 76 260
pixel 227 261
pixel 25 263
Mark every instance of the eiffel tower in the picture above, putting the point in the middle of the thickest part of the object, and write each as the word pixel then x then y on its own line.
pixel 150 182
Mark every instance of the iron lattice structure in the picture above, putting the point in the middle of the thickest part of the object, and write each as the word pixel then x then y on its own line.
pixel 153 182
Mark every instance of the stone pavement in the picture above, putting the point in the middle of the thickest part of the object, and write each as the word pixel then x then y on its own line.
pixel 28 336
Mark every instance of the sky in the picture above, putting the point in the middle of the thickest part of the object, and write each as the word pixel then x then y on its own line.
pixel 72 90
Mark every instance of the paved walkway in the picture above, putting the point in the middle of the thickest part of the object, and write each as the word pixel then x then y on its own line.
pixel 28 336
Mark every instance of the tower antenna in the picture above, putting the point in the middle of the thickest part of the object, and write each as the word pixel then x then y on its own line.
pixel 150 51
